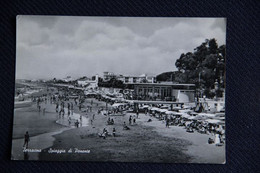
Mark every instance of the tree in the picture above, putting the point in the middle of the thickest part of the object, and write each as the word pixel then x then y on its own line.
pixel 203 66
pixel 113 82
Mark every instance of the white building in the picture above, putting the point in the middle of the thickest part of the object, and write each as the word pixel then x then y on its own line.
pixel 108 75
pixel 129 78
pixel 88 83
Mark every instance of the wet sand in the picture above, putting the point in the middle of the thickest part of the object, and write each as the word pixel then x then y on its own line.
pixel 35 122
pixel 41 127
pixel 38 142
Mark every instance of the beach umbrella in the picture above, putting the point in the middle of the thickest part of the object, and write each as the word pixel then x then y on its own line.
pixel 193 113
pixel 191 118
pixel 118 104
pixel 177 108
pixel 187 123
pixel 184 110
pixel 164 107
pixel 185 115
pixel 206 115
pixel 186 106
pixel 145 106
pixel 220 118
pixel 162 110
pixel 169 112
pixel 211 121
pixel 200 118
pixel 154 109
pixel 177 114
pixel 220 115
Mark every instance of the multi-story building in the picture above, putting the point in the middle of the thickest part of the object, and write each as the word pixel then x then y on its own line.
pixel 128 78
pixel 108 75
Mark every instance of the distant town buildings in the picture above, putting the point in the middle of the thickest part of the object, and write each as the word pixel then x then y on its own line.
pixel 86 82
pixel 67 79
pixel 108 76
pixel 128 79
pixel 144 87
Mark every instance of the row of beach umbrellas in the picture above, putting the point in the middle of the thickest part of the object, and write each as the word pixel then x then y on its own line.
pixel 206 117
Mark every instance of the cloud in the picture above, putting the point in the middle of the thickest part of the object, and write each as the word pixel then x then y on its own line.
pixel 84 46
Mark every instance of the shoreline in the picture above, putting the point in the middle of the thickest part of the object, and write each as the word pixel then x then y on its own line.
pixel 39 139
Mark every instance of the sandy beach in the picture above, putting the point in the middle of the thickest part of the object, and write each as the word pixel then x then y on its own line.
pixel 139 144
pixel 144 142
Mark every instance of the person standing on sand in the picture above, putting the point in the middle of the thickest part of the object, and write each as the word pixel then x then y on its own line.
pixel 167 122
pixel 26 139
pixel 71 105
pixel 44 108
pixel 93 116
pixel 114 132
pixel 77 124
pixel 57 107
pixel 79 106
pixel 69 120
pixel 130 120
pixel 63 112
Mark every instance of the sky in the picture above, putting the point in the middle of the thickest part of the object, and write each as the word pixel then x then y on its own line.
pixel 50 47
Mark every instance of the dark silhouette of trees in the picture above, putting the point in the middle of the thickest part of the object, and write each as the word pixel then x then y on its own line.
pixel 112 83
pixel 167 76
pixel 204 67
